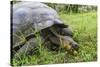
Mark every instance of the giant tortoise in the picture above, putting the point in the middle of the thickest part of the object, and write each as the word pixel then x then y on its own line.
pixel 31 20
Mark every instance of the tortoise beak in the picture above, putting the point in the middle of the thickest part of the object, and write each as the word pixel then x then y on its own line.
pixel 75 47
pixel 72 48
pixel 70 44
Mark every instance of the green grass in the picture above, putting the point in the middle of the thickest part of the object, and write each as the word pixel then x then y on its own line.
pixel 84 26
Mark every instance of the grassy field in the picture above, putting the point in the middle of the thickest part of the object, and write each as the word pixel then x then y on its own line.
pixel 84 26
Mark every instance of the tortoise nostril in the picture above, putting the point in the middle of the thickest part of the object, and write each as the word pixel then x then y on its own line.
pixel 75 46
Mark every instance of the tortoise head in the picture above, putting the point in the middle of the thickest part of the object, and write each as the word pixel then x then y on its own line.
pixel 65 41
pixel 69 44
